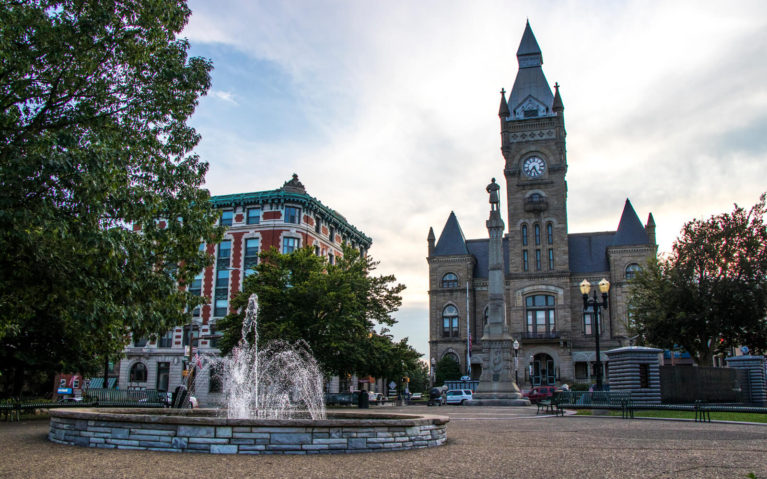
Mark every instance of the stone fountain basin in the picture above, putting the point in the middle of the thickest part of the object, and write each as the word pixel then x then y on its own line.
pixel 204 431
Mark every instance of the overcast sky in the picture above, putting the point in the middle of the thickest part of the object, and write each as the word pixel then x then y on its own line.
pixel 387 111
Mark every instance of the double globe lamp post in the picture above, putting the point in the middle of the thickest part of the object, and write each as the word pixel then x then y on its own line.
pixel 595 304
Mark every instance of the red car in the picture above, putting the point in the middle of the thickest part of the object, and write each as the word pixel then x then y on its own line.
pixel 539 393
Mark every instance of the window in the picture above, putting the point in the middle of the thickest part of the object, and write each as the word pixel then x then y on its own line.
pixel 251 255
pixel 139 342
pixel 450 321
pixel 331 258
pixel 316 250
pixel 166 340
pixel 292 215
pixel 524 235
pixel 196 289
pixel 254 216
pixel 163 376
pixel 531 113
pixel 540 315
pixel 226 218
pixel 222 289
pixel 549 233
pixel 450 280
pixel 317 224
pixel 551 259
pixel 525 265
pixel 216 381
pixel 589 322
pixel 289 245
pixel 632 270
pixel 537 234
pixel 138 373
pixel 332 235
pixel 537 260
pixel 220 308
pixel 195 335
pixel 224 254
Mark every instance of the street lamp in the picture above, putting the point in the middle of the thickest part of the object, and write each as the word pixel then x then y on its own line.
pixel 604 287
pixel 516 361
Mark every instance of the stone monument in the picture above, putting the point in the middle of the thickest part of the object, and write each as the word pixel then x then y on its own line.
pixel 496 384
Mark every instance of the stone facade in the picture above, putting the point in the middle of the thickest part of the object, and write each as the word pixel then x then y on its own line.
pixel 284 218
pixel 543 263
pixel 204 433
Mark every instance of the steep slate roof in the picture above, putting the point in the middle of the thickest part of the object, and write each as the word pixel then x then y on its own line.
pixel 479 248
pixel 630 229
pixel 588 251
pixel 530 79
pixel 451 241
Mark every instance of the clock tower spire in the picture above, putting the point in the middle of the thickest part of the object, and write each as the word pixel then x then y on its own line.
pixel 533 146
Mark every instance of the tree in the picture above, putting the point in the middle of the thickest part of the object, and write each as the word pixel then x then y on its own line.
pixel 333 307
pixel 101 206
pixel 448 369
pixel 711 292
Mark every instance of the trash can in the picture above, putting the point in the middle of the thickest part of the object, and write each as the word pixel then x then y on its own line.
pixel 364 400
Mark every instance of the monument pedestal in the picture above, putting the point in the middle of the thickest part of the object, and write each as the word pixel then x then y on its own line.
pixel 496 385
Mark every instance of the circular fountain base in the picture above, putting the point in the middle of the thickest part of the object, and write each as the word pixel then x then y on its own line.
pixel 201 430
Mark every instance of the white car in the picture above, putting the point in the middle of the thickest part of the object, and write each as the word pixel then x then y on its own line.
pixel 459 396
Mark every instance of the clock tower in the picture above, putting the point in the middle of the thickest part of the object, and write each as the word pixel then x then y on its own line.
pixel 533 146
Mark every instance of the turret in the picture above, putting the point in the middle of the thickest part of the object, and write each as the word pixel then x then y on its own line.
pixel 431 239
pixel 650 229
pixel 503 111
pixel 558 106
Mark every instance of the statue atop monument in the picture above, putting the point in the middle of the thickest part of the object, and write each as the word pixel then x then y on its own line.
pixel 495 198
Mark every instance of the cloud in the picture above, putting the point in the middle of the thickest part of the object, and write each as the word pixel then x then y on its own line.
pixel 388 110
pixel 223 95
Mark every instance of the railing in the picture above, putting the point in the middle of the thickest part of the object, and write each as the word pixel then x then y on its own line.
pixel 546 335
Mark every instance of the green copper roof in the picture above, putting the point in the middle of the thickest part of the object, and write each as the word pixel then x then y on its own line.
pixel 293 196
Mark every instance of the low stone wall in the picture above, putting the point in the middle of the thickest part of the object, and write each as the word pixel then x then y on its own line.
pixel 201 431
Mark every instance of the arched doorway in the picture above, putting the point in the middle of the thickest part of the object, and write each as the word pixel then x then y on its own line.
pixel 544 373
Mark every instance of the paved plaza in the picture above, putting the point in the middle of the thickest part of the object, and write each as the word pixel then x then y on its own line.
pixel 483 442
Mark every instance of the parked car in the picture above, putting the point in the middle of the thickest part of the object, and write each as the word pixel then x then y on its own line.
pixel 539 393
pixel 436 397
pixel 416 396
pixel 459 396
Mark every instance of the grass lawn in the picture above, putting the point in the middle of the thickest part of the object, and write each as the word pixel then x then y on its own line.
pixel 715 416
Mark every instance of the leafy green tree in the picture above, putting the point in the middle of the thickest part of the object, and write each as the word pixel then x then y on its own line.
pixel 101 202
pixel 448 369
pixel 333 307
pixel 710 293
pixel 419 377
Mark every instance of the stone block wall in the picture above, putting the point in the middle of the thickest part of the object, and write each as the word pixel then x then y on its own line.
pixel 138 429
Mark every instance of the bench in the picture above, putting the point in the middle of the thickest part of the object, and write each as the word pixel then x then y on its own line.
pixel 123 398
pixel 705 410
pixel 610 400
pixel 665 407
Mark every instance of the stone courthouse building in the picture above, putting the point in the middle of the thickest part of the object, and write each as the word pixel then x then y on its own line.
pixel 543 262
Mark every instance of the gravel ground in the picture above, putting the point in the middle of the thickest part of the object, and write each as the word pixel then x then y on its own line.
pixel 483 442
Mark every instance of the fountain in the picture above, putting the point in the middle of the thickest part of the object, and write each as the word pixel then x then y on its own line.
pixel 274 406
pixel 281 381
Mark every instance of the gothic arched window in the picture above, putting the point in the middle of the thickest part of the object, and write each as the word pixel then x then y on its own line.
pixel 138 373
pixel 450 280
pixel 450 321
pixel 632 270
pixel 524 235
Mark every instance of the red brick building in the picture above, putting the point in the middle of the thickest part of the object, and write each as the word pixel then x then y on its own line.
pixel 286 218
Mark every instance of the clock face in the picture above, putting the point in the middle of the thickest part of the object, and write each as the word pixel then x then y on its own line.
pixel 534 167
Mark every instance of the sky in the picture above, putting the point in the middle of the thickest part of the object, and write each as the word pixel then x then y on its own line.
pixel 388 111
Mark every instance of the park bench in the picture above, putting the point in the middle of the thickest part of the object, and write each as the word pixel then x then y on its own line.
pixel 705 410
pixel 123 398
pixel 665 407
pixel 610 400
